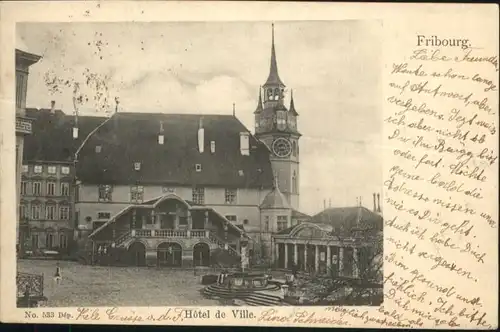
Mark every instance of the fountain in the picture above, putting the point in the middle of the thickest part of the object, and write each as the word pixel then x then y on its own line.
pixel 252 287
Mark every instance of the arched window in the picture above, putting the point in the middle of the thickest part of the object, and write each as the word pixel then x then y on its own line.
pixel 270 94
pixel 276 94
pixel 294 182
pixel 294 148
pixel 49 240
pixel 63 241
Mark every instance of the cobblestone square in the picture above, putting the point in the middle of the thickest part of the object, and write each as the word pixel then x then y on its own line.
pixel 84 285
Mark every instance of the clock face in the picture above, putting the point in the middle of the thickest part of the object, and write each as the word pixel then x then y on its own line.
pixel 282 147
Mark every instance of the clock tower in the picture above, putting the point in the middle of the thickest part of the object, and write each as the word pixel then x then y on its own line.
pixel 276 126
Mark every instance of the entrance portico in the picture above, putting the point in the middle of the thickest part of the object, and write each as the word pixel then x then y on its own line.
pixel 311 247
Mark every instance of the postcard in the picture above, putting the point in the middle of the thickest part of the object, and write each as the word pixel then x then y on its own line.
pixel 249 164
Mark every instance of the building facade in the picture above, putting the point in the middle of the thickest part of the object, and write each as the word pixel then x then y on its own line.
pixel 23 128
pixel 47 180
pixel 212 163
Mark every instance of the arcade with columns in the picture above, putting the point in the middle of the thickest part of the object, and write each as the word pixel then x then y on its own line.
pixel 310 247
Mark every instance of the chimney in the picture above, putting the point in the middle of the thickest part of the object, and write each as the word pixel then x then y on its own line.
pixel 161 137
pixel 201 136
pixel 374 202
pixel 234 109
pixel 378 200
pixel 52 106
pixel 330 202
pixel 324 204
pixel 245 143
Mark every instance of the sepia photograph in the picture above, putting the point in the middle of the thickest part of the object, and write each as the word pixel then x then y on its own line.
pixel 199 164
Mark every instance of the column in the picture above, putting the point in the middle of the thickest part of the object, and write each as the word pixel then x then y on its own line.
pixel 134 218
pixel 295 254
pixel 286 256
pixel 316 258
pixel 189 219
pixel 305 257
pixel 328 258
pixel 355 265
pixel 341 261
pixel 276 252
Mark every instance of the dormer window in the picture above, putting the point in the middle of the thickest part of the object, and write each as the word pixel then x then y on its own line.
pixel 198 167
pixel 212 146
pixel 137 166
pixel 98 149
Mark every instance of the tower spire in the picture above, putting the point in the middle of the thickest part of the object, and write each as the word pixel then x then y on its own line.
pixel 259 105
pixel 292 104
pixel 273 78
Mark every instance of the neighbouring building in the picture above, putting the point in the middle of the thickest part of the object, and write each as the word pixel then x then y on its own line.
pixel 23 128
pixel 343 241
pixel 47 178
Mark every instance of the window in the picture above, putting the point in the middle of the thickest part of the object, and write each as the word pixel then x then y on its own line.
pixel 282 223
pixel 276 94
pixel 50 211
pixel 25 168
pixel 64 213
pixel 137 166
pixel 37 188
pixel 232 218
pixel 49 240
pixel 294 148
pixel 199 195
pixel 245 222
pixel 51 169
pixel 64 189
pixel 137 194
pixel 63 241
pixel 198 167
pixel 168 190
pixel 35 211
pixel 105 192
pixel 281 119
pixel 38 169
pixel 294 182
pixel 65 170
pixel 23 212
pixel 266 223
pixel 240 172
pixel 231 195
pixel 51 188
pixel 212 146
pixel 98 149
pixel 24 188
pixel 103 215
pixel 34 241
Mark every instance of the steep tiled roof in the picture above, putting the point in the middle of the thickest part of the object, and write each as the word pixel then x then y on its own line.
pixel 346 218
pixel 130 138
pixel 52 137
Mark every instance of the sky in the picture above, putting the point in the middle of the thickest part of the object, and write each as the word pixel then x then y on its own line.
pixel 333 67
